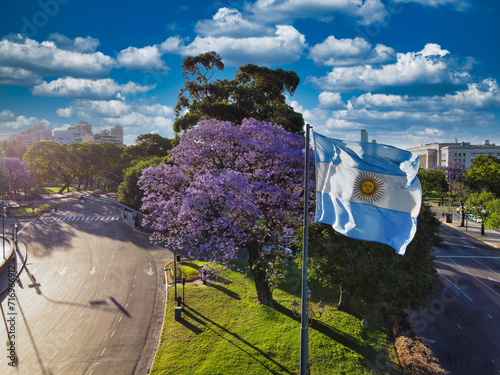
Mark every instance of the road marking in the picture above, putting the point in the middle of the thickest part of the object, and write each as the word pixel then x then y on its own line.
pixel 113 333
pixel 150 271
pixel 63 271
pixel 23 228
pixel 92 271
pixel 71 334
pixel 104 279
pixel 459 326
pixel 489 316
pixel 37 324
pixel 456 286
pixel 468 256
pixel 119 320
pixel 489 269
pixel 475 278
pixel 102 353
pixel 133 286
pixel 81 320
pixel 131 294
pixel 57 351
pixel 495 280
pixel 126 305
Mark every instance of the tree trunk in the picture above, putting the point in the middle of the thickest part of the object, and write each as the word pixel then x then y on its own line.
pixel 463 216
pixel 344 302
pixel 257 267
pixel 66 185
pixel 482 229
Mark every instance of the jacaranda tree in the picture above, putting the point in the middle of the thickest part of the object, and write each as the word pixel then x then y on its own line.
pixel 227 188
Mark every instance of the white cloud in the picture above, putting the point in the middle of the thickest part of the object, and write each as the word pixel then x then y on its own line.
pixel 9 121
pixel 18 77
pixel 172 45
pixel 285 11
pixel 146 59
pixel 342 52
pixel 429 66
pixel 79 44
pixel 141 124
pixel 405 120
pixel 331 100
pixel 457 4
pixel 258 50
pixel 80 88
pixel 156 109
pixel 47 59
pixel 95 108
pixel 7 115
pixel 230 22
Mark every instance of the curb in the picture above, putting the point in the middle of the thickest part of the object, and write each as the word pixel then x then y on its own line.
pixel 10 256
pixel 472 235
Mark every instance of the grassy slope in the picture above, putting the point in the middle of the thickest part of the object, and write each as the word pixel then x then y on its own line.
pixel 225 331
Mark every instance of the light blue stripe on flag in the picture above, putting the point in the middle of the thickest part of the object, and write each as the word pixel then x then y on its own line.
pixel 367 191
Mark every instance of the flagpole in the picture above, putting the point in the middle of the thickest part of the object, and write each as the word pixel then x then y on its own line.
pixel 304 335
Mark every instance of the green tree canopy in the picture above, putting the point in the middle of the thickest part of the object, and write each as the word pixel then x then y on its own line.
pixel 460 192
pixel 47 162
pixel 147 146
pixel 484 174
pixel 485 206
pixel 255 92
pixel 129 193
pixel 13 148
pixel 433 180
pixel 373 271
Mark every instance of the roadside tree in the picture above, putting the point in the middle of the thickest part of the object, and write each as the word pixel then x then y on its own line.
pixel 129 192
pixel 484 206
pixel 226 188
pixel 460 192
pixel 433 180
pixel 146 146
pixel 484 174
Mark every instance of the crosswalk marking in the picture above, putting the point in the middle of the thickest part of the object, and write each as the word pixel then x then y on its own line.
pixel 80 218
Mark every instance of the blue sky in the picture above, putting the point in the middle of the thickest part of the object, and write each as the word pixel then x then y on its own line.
pixel 408 71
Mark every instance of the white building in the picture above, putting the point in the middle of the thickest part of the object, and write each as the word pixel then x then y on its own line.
pixel 67 136
pixel 31 136
pixel 441 154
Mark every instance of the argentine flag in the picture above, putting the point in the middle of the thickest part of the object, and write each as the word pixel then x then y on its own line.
pixel 367 191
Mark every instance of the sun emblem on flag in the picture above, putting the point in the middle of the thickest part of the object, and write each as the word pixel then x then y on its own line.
pixel 368 187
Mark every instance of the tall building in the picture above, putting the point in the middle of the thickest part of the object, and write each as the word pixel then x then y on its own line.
pixel 364 135
pixel 441 154
pixel 117 133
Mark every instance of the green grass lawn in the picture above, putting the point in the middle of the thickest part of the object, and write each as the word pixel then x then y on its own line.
pixel 27 210
pixel 225 331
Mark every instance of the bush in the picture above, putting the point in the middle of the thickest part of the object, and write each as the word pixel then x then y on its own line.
pixel 415 356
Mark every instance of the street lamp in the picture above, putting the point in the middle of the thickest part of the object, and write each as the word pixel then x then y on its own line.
pixel 3 208
pixel 310 315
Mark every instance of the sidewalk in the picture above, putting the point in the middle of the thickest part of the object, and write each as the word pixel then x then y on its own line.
pixel 472 228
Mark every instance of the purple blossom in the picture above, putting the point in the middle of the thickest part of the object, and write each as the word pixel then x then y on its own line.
pixel 227 187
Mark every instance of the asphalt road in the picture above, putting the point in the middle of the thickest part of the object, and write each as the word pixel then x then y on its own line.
pixel 462 320
pixel 92 296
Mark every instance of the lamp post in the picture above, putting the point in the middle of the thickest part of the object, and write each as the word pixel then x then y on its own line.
pixel 310 314
pixel 3 208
